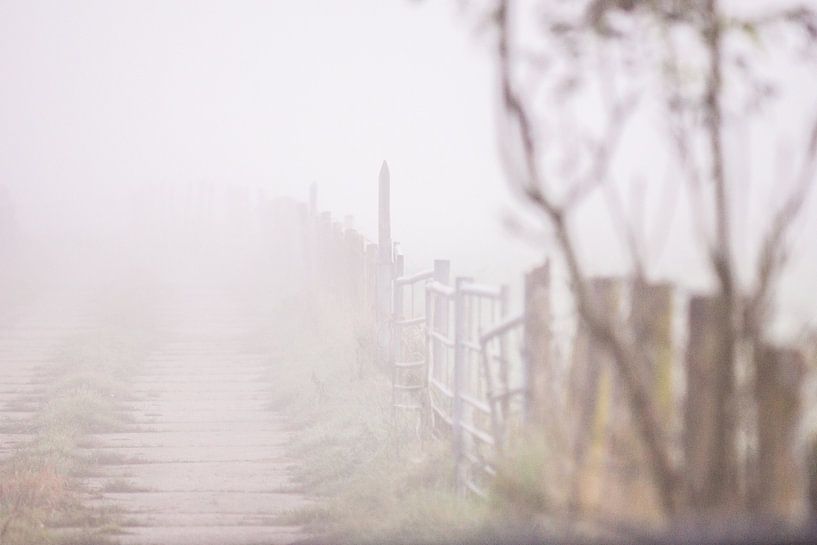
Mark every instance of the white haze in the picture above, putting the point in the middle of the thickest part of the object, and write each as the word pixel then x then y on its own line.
pixel 100 98
pixel 104 104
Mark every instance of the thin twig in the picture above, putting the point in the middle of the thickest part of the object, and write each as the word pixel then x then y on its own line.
pixel 601 328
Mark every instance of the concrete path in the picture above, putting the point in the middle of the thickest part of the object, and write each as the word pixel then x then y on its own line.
pixel 207 463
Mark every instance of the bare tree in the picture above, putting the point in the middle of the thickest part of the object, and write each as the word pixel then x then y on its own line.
pixel 618 55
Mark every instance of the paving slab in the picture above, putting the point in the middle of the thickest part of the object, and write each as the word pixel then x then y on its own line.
pixel 210 464
pixel 210 535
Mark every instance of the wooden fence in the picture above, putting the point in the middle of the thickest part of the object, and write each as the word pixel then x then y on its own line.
pixel 470 370
pixel 452 348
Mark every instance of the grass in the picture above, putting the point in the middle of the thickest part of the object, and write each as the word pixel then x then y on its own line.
pixel 121 486
pixel 40 491
pixel 376 480
pixel 372 480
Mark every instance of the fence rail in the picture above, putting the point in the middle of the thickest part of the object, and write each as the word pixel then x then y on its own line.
pixel 446 346
pixel 470 371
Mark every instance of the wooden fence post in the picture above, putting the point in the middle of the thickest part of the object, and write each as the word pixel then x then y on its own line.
pixel 504 362
pixel 324 249
pixel 356 271
pixel 442 275
pixel 304 228
pixel 537 344
pixel 310 238
pixel 652 323
pixel 384 269
pixel 371 285
pixel 437 322
pixel 313 199
pixel 397 311
pixel 781 482
pixel 708 444
pixel 591 391
pixel 459 376
pixel 395 334
pixel 651 320
pixel 337 262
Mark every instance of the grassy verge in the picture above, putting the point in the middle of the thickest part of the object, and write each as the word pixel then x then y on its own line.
pixel 372 481
pixel 41 497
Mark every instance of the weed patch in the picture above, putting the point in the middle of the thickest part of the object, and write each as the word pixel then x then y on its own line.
pixel 369 480
pixel 83 393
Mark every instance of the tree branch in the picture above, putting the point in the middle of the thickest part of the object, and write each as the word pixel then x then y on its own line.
pixel 773 253
pixel 601 328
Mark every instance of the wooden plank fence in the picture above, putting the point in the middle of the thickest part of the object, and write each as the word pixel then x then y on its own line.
pixel 469 369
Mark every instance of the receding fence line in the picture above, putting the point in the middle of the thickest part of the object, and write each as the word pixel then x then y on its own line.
pixel 468 370
pixel 448 348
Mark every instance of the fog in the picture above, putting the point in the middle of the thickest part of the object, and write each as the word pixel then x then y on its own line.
pixel 102 100
pixel 214 328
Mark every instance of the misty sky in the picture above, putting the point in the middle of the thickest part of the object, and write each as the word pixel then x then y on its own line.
pixel 101 96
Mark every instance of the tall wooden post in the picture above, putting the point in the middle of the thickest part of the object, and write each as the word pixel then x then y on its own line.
pixel 590 391
pixel 396 333
pixel 304 223
pixel 439 354
pixel 652 324
pixel 397 311
pixel 709 447
pixel 457 412
pixel 356 271
pixel 313 199
pixel 324 235
pixel 780 489
pixel 651 320
pixel 384 269
pixel 337 262
pixel 372 253
pixel 538 375
pixel 384 214
pixel 504 362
